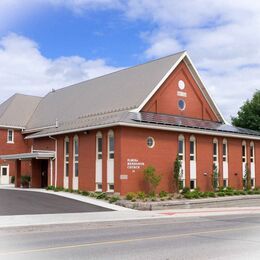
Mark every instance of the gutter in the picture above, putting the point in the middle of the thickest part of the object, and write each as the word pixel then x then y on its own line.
pixel 158 127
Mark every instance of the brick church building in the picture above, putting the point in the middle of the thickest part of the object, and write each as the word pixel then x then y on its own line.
pixel 100 135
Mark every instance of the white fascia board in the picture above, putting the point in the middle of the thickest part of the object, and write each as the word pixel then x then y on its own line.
pixel 71 131
pixel 193 131
pixel 214 107
pixel 12 127
pixel 138 109
pixel 154 127
pixel 37 129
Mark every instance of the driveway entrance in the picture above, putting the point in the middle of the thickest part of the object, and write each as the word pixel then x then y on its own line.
pixel 19 202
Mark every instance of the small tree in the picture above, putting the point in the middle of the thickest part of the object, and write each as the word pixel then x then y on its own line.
pixel 152 178
pixel 247 178
pixel 177 173
pixel 215 174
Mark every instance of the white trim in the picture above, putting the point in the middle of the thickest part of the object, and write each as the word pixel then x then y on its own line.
pixel 201 86
pixel 173 128
pixel 12 126
pixel 160 83
pixel 75 182
pixel 12 141
pixel 189 130
pixel 36 129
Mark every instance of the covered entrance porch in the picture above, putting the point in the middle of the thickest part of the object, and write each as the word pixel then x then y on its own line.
pixel 41 170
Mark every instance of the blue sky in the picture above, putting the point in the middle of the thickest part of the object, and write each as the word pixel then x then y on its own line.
pixel 47 44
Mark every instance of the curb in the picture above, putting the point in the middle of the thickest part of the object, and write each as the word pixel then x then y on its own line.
pixel 181 202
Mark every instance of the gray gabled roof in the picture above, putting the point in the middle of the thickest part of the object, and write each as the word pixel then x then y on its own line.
pixel 119 91
pixel 16 111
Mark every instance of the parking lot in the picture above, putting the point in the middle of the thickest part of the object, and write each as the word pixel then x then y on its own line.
pixel 19 202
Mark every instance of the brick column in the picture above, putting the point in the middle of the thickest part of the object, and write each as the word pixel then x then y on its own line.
pixel 18 174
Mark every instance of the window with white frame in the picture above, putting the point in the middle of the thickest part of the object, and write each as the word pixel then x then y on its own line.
pixel 99 144
pixel 111 145
pixel 181 154
pixel 76 156
pixel 252 152
pixel 192 149
pixel 66 156
pixel 243 151
pixel 225 151
pixel 10 136
pixel 215 150
pixel 181 147
pixel 225 183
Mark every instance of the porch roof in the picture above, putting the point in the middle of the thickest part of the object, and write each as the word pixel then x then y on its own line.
pixel 32 155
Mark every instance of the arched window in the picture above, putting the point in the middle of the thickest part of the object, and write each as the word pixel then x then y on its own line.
pixel 225 151
pixel 252 152
pixel 99 144
pixel 66 156
pixel 111 145
pixel 181 148
pixel 215 151
pixel 192 148
pixel 244 151
pixel 76 155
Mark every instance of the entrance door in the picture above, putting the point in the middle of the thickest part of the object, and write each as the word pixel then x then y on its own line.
pixel 4 178
pixel 44 173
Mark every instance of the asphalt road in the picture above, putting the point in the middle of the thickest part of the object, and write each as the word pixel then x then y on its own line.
pixel 15 202
pixel 225 237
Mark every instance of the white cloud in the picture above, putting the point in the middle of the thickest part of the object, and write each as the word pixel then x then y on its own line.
pixel 221 36
pixel 25 70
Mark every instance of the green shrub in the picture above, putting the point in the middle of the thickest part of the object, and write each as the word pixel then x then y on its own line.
pixel 130 195
pixel 66 190
pixel 25 180
pixel 163 194
pixel 101 196
pixel 221 194
pixel 151 194
pixel 50 188
pixel 257 191
pixel 133 200
pixel 250 192
pixel 185 190
pixel 152 178
pixel 204 194
pixel 13 179
pixel 196 196
pixel 242 192
pixel 188 195
pixel 229 193
pixel 141 195
pixel 113 199
pixel 211 194
pixel 229 189
pixel 236 192
pixel 85 193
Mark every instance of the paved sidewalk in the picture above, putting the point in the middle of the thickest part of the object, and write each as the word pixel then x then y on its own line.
pixel 50 219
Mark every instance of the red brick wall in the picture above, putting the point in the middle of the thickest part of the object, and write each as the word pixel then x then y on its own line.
pixel 20 145
pixel 130 143
pixel 165 100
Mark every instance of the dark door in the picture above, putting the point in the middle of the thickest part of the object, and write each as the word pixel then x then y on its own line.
pixel 44 173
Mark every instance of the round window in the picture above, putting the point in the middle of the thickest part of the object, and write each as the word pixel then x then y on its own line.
pixel 181 84
pixel 181 104
pixel 150 142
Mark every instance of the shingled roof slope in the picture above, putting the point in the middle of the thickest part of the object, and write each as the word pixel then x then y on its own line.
pixel 119 91
pixel 16 111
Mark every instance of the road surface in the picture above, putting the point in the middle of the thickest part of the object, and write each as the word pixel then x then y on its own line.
pixel 215 237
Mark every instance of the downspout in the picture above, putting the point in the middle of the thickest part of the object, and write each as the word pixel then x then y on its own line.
pixel 55 158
